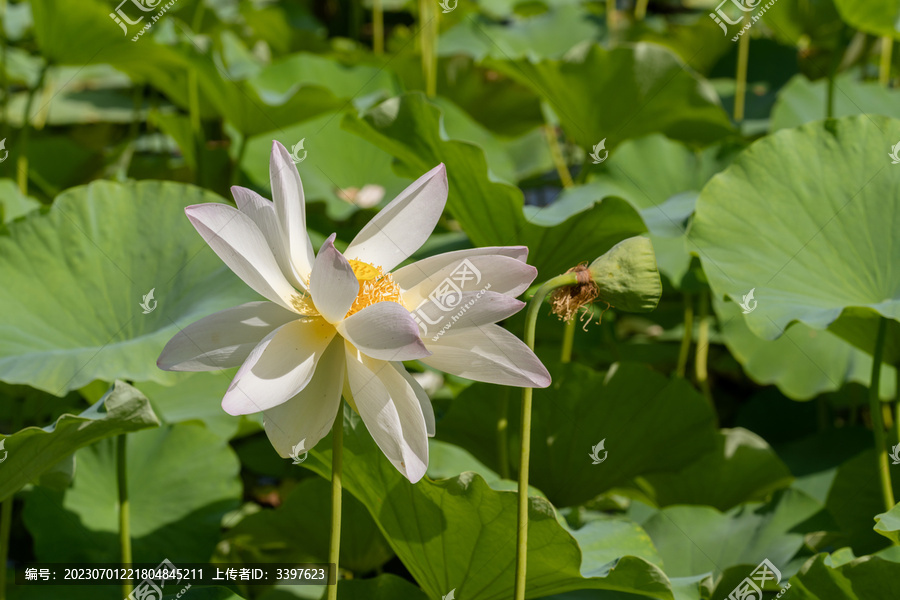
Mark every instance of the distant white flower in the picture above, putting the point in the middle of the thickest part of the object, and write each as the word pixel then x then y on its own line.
pixel 340 323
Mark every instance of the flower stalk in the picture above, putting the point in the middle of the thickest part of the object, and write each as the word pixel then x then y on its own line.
pixel 875 409
pixel 740 88
pixel 884 66
pixel 337 459
pixel 567 279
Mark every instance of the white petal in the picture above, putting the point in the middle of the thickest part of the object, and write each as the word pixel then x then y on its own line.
pixel 421 396
pixel 401 227
pixel 224 339
pixel 412 274
pixel 487 353
pixel 384 331
pixel 468 309
pixel 290 206
pixel 391 412
pixel 309 415
pixel 505 275
pixel 332 284
pixel 279 367
pixel 241 245
pixel 262 212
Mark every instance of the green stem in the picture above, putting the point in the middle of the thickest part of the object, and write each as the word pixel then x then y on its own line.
pixel 236 168
pixel 610 15
pixel 377 27
pixel 503 437
pixel 525 450
pixel 124 519
pixel 740 87
pixel 884 67
pixel 356 17
pixel 22 142
pixel 556 153
pixel 428 17
pixel 6 510
pixel 875 408
pixel 640 10
pixel 568 340
pixel 4 108
pixel 702 352
pixel 687 336
pixel 337 459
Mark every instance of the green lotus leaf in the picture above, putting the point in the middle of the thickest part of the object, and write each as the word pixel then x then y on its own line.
pixel 866 578
pixel 623 93
pixel 33 451
pixel 808 227
pixel 877 17
pixel 182 480
pixel 99 251
pixel 888 524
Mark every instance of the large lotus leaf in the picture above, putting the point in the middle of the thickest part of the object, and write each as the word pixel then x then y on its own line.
pixel 97 252
pixel 807 218
pixel 623 93
pixel 742 468
pixel 460 534
pixel 32 451
pixel 695 540
pixel 382 587
pixel 866 578
pixel 332 162
pixel 888 524
pixel 648 422
pixel 549 34
pixel 817 21
pixel 802 101
pixel 803 363
pixel 182 480
pixel 298 531
pixel 490 212
pixel 878 17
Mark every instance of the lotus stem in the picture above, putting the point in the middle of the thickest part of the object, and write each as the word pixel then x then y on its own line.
pixel 829 101
pixel 124 518
pixel 337 460
pixel 640 9
pixel 884 66
pixel 377 27
pixel 525 432
pixel 875 409
pixel 236 168
pixel 740 88
pixel 22 144
pixel 4 107
pixel 687 336
pixel 610 15
pixel 568 339
pixel 556 153
pixel 428 40
pixel 702 352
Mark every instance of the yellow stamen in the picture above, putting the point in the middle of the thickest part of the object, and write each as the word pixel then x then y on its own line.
pixel 374 286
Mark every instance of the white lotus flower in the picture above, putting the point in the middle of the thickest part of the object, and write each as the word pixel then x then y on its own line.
pixel 340 323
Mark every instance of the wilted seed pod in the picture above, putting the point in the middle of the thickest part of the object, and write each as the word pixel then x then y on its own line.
pixel 626 278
